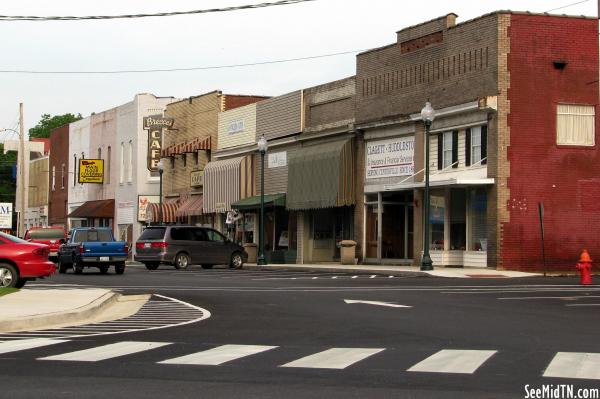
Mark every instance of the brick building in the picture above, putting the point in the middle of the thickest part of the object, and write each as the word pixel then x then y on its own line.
pixel 514 93
pixel 58 177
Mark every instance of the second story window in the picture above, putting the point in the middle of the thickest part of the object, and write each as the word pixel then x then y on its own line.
pixel 130 162
pixel 575 124
pixel 476 145
pixel 74 170
pixel 53 178
pixel 107 177
pixel 448 150
pixel 62 176
pixel 122 168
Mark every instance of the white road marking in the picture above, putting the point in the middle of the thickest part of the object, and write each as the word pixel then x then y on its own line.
pixel 219 355
pixel 550 297
pixel 391 305
pixel 23 344
pixel 574 365
pixel 354 277
pixel 107 351
pixel 373 276
pixel 334 358
pixel 583 304
pixel 453 361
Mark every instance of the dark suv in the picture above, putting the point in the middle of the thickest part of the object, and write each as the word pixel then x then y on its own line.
pixel 182 246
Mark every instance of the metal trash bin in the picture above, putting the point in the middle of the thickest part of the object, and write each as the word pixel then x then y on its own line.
pixel 347 252
pixel 251 249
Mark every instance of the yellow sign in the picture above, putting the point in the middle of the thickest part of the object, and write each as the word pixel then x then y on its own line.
pixel 91 171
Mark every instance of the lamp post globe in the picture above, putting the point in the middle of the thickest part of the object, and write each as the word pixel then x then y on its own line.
pixel 427 115
pixel 263 146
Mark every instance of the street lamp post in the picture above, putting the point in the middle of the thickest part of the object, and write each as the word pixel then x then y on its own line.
pixel 262 148
pixel 427 115
pixel 161 167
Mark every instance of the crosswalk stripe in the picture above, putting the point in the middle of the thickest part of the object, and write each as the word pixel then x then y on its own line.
pixel 219 355
pixel 334 358
pixel 23 344
pixel 107 351
pixel 574 365
pixel 453 361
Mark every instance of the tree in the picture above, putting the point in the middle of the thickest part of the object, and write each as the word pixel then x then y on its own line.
pixel 48 123
pixel 7 184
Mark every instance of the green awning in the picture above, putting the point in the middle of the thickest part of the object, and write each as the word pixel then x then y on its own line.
pixel 252 203
pixel 321 176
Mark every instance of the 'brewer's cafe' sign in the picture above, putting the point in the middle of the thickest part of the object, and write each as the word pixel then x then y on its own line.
pixel 390 157
pixel 155 125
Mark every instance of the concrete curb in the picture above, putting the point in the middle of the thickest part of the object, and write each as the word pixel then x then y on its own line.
pixel 333 269
pixel 71 317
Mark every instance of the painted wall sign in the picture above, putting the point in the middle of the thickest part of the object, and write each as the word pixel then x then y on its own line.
pixel 390 157
pixel 197 178
pixel 155 125
pixel 6 211
pixel 91 171
pixel 235 127
pixel 143 201
pixel 277 159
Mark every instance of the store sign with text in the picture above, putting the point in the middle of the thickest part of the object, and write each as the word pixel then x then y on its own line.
pixel 277 159
pixel 91 171
pixel 155 125
pixel 6 212
pixel 197 178
pixel 390 157
pixel 143 202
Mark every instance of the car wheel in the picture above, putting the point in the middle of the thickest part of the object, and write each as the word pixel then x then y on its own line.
pixel 151 266
pixel 236 260
pixel 120 268
pixel 20 283
pixel 77 268
pixel 104 269
pixel 182 261
pixel 8 275
pixel 62 268
pixel 207 266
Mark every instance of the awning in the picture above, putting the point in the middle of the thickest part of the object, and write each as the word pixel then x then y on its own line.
pixel 169 210
pixel 95 209
pixel 460 178
pixel 321 176
pixel 191 146
pixel 191 207
pixel 227 181
pixel 253 203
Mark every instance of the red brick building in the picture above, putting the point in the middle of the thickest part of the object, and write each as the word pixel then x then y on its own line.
pixel 516 99
pixel 58 176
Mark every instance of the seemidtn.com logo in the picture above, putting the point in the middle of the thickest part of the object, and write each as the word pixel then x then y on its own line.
pixel 560 391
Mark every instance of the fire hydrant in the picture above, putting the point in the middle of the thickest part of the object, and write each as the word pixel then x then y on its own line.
pixel 585 268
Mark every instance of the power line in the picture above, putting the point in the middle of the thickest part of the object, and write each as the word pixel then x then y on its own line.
pixel 568 5
pixel 160 14
pixel 183 69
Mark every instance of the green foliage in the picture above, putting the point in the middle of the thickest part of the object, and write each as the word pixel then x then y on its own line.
pixel 7 185
pixel 48 123
pixel 5 291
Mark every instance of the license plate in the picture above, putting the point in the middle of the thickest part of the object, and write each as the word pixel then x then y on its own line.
pixel 147 245
pixel 104 258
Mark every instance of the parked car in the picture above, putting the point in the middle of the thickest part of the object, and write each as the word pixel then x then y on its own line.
pixel 92 247
pixel 21 261
pixel 182 246
pixel 50 236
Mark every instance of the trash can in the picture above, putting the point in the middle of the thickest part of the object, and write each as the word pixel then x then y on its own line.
pixel 347 252
pixel 251 249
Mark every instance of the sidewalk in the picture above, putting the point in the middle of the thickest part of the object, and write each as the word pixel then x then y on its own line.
pixel 31 309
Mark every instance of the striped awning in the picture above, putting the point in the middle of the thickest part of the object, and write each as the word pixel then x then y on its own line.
pixel 190 146
pixel 191 207
pixel 322 176
pixel 169 212
pixel 227 181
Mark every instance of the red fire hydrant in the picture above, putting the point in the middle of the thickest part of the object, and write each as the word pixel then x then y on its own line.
pixel 585 268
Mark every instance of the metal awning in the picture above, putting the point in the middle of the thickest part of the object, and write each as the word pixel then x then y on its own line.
pixel 321 176
pixel 191 207
pixel 253 203
pixel 95 209
pixel 227 181
pixel 169 211
pixel 463 178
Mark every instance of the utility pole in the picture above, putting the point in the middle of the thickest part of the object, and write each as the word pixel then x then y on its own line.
pixel 21 168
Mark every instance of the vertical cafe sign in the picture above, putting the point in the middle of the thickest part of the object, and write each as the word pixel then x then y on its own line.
pixel 155 125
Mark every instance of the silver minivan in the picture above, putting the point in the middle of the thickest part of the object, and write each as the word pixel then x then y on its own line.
pixel 182 246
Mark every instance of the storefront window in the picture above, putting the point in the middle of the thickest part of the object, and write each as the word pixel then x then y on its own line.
pixel 478 219
pixel 371 226
pixel 437 215
pixel 396 231
pixel 458 219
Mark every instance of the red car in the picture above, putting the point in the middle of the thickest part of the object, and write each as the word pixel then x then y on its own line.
pixel 50 236
pixel 21 261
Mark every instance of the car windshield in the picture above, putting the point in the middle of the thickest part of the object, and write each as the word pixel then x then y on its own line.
pixel 153 233
pixel 46 234
pixel 12 238
pixel 92 235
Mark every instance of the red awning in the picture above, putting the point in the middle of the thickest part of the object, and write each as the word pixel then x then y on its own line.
pixel 193 145
pixel 191 207
pixel 95 209
pixel 169 210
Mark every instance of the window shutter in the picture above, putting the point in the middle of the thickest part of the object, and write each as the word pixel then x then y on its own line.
pixel 440 138
pixel 484 144
pixel 468 147
pixel 455 149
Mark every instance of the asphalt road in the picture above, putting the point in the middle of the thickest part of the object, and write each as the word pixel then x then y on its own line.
pixel 458 338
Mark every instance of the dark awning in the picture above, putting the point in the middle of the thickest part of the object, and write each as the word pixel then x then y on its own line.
pixel 95 209
pixel 321 176
pixel 191 207
pixel 252 203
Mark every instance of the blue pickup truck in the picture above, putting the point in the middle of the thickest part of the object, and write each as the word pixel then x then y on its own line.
pixel 92 247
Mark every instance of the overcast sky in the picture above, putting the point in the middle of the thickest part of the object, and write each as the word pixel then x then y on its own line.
pixel 238 37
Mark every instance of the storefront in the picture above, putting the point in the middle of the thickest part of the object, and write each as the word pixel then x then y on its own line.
pixel 321 190
pixel 93 214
